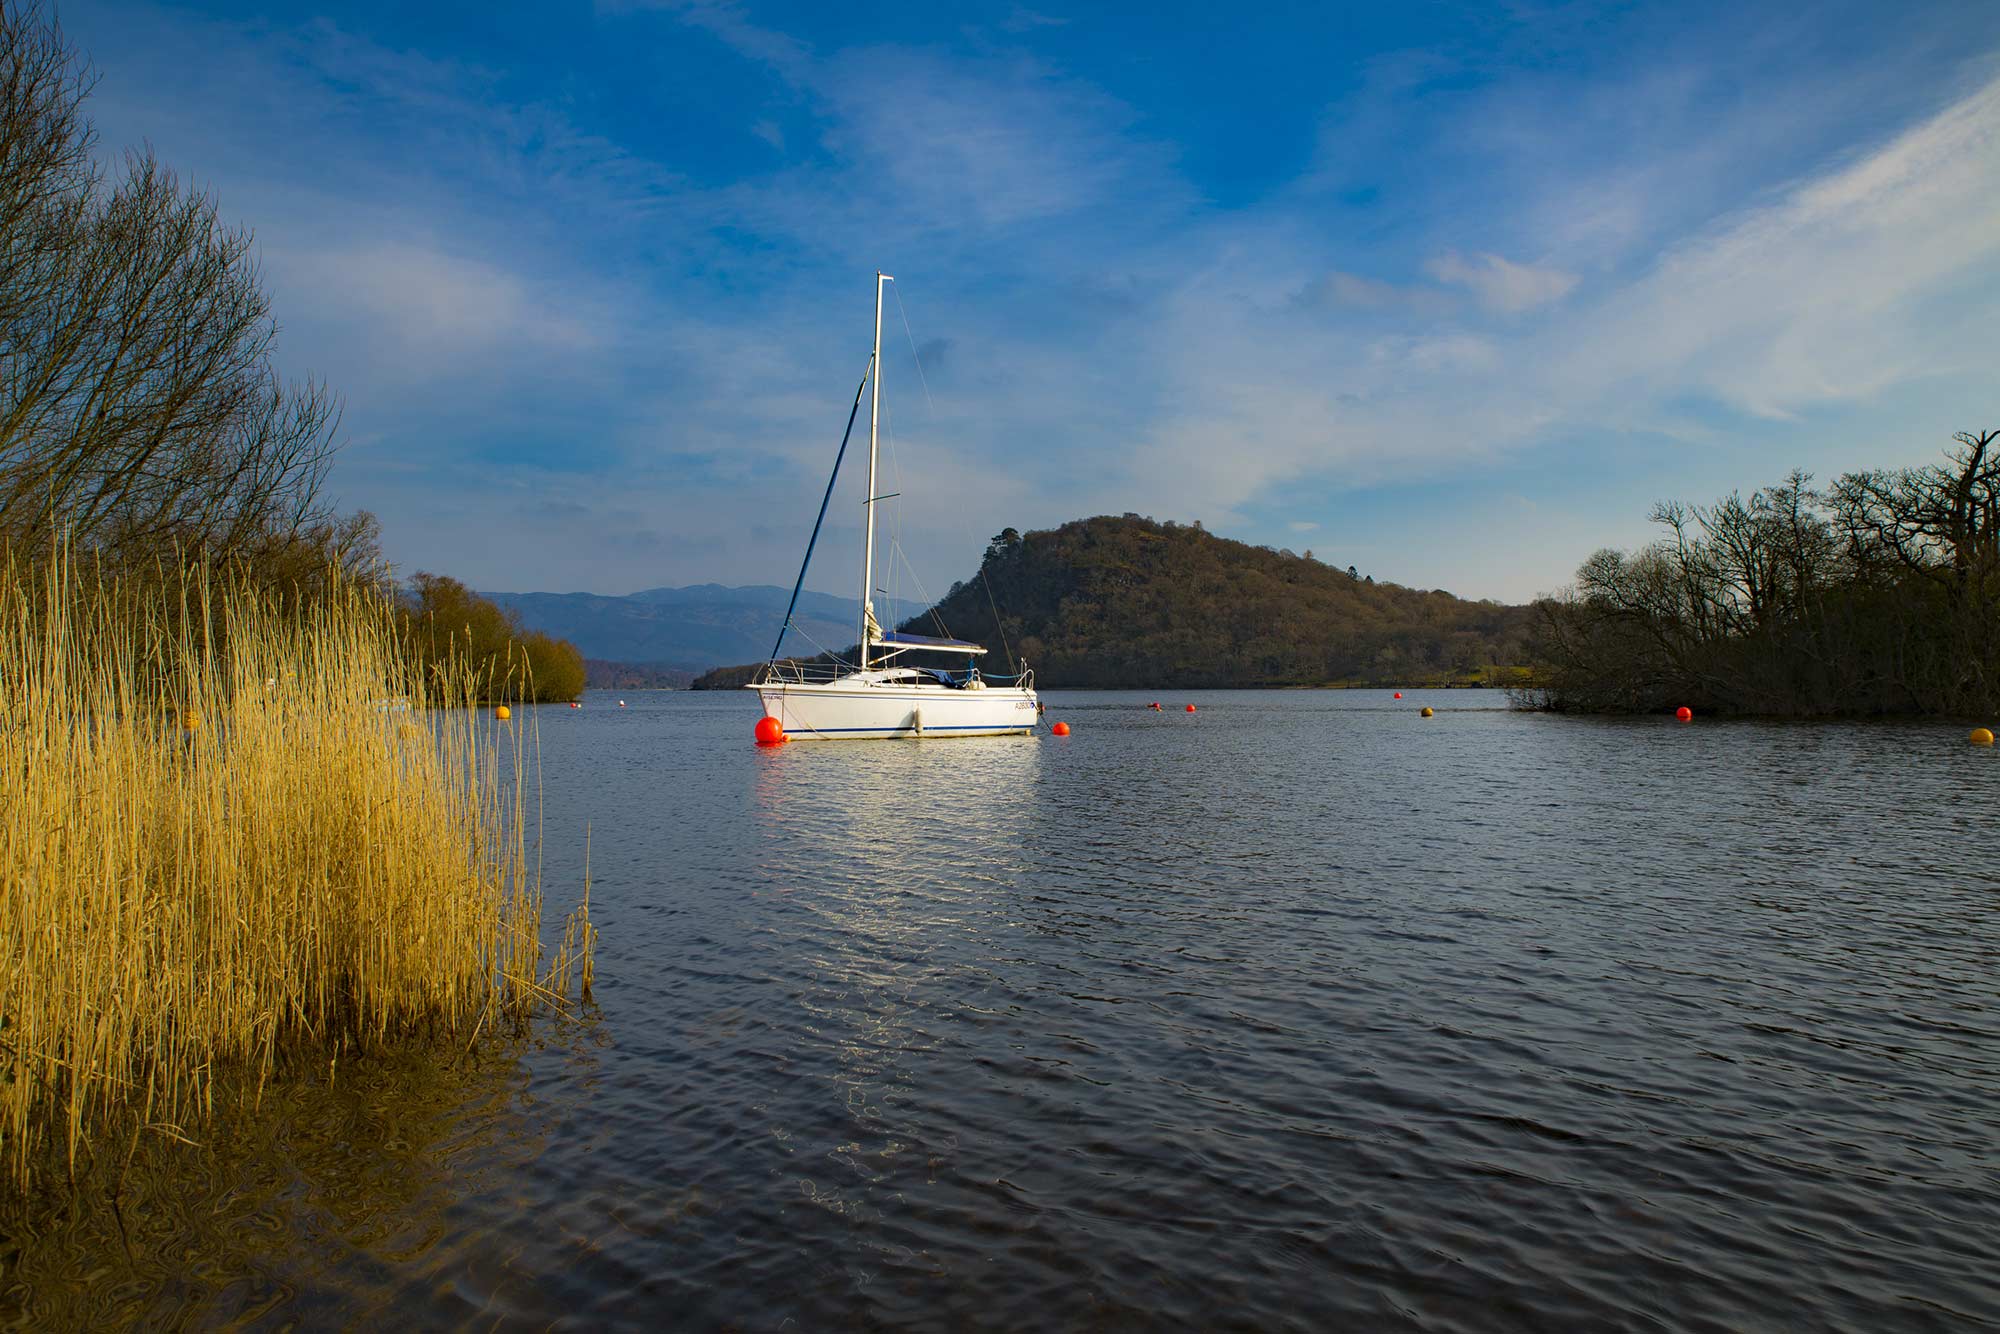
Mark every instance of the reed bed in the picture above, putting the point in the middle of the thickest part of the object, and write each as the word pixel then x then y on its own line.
pixel 235 832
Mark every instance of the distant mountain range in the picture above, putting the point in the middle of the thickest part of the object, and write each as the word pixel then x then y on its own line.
pixel 687 629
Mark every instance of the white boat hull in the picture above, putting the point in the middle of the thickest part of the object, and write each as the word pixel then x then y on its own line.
pixel 838 710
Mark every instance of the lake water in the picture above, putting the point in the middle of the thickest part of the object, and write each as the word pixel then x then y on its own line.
pixel 1301 1011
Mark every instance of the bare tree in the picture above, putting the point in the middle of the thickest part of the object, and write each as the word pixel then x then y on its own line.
pixel 1879 595
pixel 139 407
pixel 1940 522
pixel 1934 534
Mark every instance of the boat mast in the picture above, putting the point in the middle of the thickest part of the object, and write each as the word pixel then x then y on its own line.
pixel 874 425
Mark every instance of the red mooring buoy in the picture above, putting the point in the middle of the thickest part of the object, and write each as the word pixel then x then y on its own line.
pixel 1684 713
pixel 1399 694
pixel 1060 729
pixel 1190 708
pixel 770 731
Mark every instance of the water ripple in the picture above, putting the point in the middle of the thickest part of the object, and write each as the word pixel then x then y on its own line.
pixel 1298 1012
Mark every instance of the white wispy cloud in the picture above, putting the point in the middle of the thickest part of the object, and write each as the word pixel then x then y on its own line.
pixel 1501 284
pixel 670 355
pixel 436 309
pixel 1828 292
pixel 1838 289
pixel 932 144
pixel 1352 291
pixel 999 146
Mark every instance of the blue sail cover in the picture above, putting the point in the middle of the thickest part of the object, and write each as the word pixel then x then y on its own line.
pixel 901 640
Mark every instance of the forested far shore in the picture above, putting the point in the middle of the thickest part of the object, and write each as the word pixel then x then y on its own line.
pixel 1128 601
pixel 1879 594
pixel 600 674
pixel 1876 595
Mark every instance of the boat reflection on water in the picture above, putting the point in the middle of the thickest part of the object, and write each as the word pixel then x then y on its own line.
pixel 899 817
pixel 904 839
pixel 889 953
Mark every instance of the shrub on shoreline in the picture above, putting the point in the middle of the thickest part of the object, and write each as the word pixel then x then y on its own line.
pixel 453 629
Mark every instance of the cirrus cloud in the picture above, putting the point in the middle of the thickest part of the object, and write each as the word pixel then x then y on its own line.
pixel 1500 284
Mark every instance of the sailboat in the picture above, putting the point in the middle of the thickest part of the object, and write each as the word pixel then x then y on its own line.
pixel 887 691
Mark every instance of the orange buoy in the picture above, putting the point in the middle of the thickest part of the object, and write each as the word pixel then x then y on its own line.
pixel 1684 713
pixel 1427 712
pixel 1060 729
pixel 770 731
pixel 503 713
pixel 1979 736
pixel 1399 694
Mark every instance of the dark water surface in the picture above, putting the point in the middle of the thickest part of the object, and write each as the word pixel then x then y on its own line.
pixel 1299 1012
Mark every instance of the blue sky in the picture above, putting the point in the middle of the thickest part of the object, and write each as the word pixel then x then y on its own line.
pixel 1452 293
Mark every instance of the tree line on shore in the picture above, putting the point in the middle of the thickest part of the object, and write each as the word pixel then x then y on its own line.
pixel 1879 594
pixel 144 427
pixel 606 674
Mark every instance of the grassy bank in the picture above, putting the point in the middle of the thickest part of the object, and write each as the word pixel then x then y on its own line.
pixel 234 833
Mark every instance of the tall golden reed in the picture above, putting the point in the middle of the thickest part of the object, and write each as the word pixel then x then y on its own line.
pixel 231 832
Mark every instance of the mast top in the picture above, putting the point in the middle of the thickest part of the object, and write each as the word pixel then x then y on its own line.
pixel 869 629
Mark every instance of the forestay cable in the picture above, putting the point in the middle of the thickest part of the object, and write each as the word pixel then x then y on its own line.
pixel 844 438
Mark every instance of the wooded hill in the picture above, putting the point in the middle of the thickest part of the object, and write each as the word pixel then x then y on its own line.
pixel 1131 602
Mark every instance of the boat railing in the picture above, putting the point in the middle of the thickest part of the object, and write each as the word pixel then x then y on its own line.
pixel 1024 681
pixel 791 671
